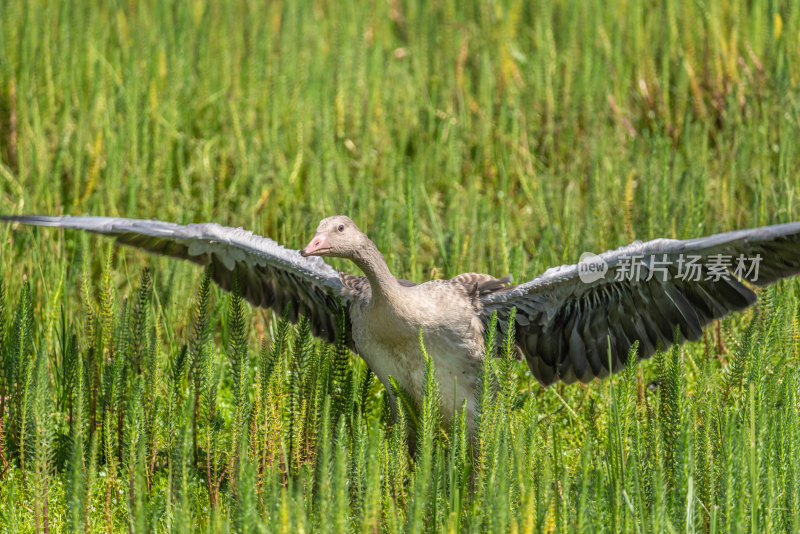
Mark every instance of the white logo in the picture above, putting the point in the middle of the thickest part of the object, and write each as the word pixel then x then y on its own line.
pixel 591 267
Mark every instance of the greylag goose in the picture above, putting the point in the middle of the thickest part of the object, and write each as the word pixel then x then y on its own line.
pixel 572 323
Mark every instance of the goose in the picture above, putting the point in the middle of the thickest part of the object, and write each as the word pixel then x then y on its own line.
pixel 571 323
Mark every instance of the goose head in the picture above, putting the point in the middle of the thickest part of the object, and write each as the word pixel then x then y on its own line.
pixel 336 236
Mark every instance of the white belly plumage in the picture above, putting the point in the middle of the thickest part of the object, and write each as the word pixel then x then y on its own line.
pixel 388 340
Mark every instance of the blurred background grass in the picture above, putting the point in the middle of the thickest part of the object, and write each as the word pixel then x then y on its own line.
pixel 516 134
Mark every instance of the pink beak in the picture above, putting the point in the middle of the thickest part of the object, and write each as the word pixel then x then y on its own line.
pixel 318 246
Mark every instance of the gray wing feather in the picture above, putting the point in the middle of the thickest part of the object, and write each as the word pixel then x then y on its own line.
pixel 566 327
pixel 271 276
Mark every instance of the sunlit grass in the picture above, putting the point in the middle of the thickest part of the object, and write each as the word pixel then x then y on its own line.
pixel 498 137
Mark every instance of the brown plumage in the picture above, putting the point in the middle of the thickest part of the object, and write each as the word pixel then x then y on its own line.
pixel 567 327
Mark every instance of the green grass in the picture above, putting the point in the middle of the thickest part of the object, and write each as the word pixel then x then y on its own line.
pixel 501 137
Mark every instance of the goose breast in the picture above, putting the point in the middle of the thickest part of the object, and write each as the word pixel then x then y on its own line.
pixel 386 334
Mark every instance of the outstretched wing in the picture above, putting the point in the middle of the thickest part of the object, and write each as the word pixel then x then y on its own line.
pixel 569 318
pixel 270 275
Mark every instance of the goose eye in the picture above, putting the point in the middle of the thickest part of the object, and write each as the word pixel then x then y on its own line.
pixel 341 228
